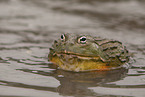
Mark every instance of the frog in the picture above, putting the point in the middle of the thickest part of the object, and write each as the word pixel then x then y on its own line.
pixel 83 52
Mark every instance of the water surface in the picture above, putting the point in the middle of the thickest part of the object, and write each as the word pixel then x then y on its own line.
pixel 29 27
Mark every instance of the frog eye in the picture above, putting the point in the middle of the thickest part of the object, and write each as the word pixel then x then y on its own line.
pixel 82 40
pixel 63 37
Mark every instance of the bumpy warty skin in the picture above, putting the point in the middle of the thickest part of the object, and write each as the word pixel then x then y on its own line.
pixel 71 50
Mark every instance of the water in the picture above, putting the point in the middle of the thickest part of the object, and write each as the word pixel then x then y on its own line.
pixel 28 28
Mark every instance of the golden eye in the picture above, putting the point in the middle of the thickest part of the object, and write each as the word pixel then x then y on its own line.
pixel 63 37
pixel 82 40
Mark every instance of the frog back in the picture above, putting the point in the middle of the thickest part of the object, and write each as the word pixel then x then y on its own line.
pixel 113 51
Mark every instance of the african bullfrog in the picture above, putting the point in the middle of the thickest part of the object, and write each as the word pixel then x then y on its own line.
pixel 76 53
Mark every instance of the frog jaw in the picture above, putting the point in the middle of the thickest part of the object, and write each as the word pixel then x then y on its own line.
pixel 77 63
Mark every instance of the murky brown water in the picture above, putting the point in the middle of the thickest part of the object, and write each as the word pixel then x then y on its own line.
pixel 28 28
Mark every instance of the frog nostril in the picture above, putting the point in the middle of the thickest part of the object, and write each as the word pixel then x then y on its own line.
pixel 55 41
pixel 71 44
pixel 64 43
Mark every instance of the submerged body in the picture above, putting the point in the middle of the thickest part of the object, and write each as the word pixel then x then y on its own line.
pixel 85 53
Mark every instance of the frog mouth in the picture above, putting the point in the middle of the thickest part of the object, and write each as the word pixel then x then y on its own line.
pixel 77 62
pixel 77 55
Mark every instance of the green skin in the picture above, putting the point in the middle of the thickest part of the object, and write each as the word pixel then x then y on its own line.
pixel 88 46
pixel 71 44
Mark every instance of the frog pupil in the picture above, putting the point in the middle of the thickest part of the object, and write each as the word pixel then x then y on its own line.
pixel 62 36
pixel 83 39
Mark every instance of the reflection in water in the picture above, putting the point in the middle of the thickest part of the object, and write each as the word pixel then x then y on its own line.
pixel 78 83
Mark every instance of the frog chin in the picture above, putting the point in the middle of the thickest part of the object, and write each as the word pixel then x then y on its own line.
pixel 78 63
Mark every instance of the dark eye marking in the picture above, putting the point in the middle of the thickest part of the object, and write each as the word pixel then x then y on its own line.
pixel 62 37
pixel 82 40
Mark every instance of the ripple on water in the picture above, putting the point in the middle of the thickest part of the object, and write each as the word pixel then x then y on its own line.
pixel 28 28
pixel 9 38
